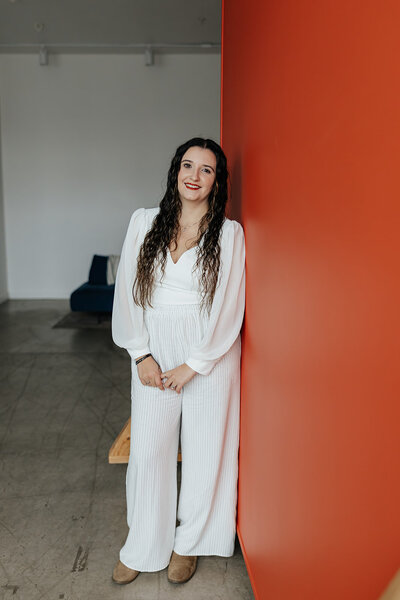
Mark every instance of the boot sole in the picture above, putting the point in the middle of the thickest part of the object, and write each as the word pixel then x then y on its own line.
pixel 125 582
pixel 176 581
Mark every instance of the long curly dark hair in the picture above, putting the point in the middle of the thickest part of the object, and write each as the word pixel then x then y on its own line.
pixel 165 229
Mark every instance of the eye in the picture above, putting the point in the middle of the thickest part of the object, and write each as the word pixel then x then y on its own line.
pixel 207 170
pixel 186 164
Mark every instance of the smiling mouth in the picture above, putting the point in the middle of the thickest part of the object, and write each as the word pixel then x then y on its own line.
pixel 192 186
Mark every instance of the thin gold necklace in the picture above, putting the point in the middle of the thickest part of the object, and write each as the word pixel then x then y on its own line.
pixel 183 228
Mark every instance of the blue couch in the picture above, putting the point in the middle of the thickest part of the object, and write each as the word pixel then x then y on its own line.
pixel 95 295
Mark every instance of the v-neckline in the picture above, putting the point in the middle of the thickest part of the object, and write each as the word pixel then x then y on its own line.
pixel 186 251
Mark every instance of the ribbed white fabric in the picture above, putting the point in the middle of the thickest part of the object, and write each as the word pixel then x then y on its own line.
pixel 175 331
pixel 209 407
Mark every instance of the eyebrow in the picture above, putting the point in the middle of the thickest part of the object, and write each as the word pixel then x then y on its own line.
pixel 188 160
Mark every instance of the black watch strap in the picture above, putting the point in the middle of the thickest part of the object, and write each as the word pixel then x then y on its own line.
pixel 142 358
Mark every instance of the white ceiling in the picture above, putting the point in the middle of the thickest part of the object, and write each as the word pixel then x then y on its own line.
pixel 110 25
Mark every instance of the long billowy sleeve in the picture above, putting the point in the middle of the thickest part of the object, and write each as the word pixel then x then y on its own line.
pixel 227 310
pixel 127 324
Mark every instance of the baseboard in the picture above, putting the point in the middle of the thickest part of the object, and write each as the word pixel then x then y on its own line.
pixel 247 563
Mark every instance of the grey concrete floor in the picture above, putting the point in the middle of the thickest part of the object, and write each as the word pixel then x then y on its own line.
pixel 65 394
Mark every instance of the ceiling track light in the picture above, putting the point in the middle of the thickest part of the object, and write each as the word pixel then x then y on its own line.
pixel 43 56
pixel 93 46
pixel 149 56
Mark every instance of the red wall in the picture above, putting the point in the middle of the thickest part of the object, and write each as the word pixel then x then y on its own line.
pixel 311 128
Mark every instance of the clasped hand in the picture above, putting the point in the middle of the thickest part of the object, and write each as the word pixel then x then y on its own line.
pixel 150 374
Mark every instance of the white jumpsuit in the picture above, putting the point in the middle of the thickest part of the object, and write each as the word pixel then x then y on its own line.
pixel 205 414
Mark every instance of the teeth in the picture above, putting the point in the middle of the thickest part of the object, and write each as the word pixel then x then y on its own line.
pixel 195 187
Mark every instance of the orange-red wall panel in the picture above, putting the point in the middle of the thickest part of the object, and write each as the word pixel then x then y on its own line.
pixel 311 128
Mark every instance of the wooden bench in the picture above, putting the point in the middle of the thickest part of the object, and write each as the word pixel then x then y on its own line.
pixel 119 451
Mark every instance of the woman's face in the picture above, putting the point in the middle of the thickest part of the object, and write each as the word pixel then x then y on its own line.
pixel 197 174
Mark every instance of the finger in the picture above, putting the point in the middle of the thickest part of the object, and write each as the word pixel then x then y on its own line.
pixel 169 382
pixel 178 388
pixel 158 383
pixel 166 374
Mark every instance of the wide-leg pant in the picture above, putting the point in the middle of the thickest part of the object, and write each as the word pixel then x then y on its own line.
pixel 206 415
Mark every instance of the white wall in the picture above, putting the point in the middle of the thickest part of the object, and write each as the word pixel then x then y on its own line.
pixel 3 266
pixel 85 141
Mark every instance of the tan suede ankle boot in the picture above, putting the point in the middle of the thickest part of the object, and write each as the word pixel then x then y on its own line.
pixel 181 568
pixel 123 574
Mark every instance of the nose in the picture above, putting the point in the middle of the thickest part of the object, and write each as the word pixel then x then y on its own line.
pixel 196 173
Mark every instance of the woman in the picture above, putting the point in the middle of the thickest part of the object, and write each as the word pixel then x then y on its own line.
pixel 178 309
